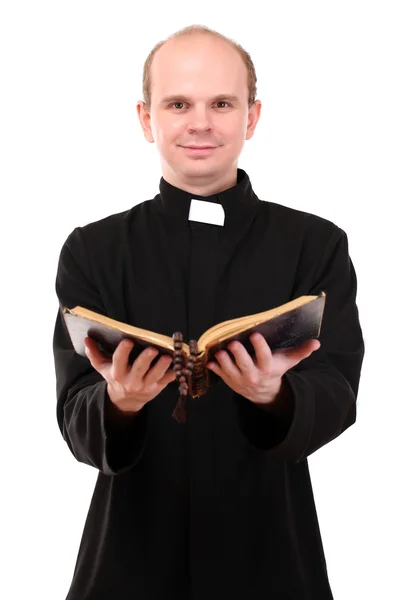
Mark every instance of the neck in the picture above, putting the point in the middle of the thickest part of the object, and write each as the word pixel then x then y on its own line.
pixel 200 185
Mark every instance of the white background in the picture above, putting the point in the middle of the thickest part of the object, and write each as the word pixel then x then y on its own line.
pixel 72 151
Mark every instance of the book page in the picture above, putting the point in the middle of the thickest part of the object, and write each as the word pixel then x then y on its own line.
pixel 231 327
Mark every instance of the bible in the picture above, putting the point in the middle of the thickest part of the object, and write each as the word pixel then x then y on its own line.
pixel 285 326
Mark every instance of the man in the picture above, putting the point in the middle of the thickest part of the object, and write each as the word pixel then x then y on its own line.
pixel 222 505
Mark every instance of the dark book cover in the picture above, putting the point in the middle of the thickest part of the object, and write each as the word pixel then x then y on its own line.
pixel 287 330
pixel 107 338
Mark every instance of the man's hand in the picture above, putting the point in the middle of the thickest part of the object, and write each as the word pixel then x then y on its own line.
pixel 130 387
pixel 259 379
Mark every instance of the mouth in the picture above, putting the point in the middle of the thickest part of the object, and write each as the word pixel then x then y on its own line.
pixel 199 150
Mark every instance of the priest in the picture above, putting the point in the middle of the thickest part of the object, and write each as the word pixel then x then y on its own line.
pixel 220 506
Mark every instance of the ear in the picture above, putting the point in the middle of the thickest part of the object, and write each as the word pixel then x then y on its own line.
pixel 145 120
pixel 253 117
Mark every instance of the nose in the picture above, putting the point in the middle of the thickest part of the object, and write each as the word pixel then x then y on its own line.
pixel 199 118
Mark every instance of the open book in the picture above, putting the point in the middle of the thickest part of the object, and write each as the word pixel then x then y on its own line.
pixel 283 327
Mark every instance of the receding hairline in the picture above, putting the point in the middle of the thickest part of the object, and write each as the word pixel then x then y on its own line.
pixel 196 31
pixel 188 35
pixel 191 35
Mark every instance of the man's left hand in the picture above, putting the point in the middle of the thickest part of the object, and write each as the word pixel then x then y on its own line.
pixel 259 379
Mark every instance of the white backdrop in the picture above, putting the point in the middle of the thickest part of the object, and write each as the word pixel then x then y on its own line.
pixel 72 152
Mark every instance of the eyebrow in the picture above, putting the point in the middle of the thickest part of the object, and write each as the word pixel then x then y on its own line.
pixel 230 97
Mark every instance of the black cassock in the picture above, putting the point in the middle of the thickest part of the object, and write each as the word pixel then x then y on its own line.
pixel 220 507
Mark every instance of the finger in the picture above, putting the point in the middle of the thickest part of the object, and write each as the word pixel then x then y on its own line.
pixel 167 378
pixel 227 365
pixel 242 358
pixel 158 371
pixel 142 364
pixel 263 353
pixel 120 366
pixel 215 368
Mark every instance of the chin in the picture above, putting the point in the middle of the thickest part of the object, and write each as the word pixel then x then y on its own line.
pixel 198 168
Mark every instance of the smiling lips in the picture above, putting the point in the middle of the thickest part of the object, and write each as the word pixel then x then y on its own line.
pixel 199 147
pixel 199 150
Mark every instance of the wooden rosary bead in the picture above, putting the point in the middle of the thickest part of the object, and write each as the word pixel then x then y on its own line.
pixel 182 372
pixel 178 338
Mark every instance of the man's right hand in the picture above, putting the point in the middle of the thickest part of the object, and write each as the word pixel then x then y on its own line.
pixel 130 387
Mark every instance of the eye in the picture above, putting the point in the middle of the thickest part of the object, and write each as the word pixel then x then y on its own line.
pixel 174 104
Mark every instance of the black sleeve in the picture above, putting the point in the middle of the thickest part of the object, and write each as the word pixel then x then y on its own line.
pixel 96 433
pixel 324 386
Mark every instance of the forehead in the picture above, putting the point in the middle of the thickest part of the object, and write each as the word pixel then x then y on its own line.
pixel 200 63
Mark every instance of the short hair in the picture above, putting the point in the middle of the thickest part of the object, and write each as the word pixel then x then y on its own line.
pixel 193 30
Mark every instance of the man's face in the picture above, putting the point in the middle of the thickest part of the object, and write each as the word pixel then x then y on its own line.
pixel 199 97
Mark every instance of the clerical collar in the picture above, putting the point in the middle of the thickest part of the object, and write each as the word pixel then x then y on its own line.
pixel 237 201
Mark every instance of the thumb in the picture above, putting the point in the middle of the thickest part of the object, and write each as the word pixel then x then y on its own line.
pixel 98 361
pixel 289 357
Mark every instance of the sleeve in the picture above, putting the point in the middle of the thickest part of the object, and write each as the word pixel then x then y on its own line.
pixel 96 433
pixel 324 386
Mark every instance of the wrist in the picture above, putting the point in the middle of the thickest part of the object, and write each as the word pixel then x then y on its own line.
pixel 273 395
pixel 117 410
pixel 282 403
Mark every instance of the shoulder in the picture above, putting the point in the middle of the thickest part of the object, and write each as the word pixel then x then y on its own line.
pixel 105 231
pixel 299 225
pixel 312 249
pixel 113 224
pixel 287 217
